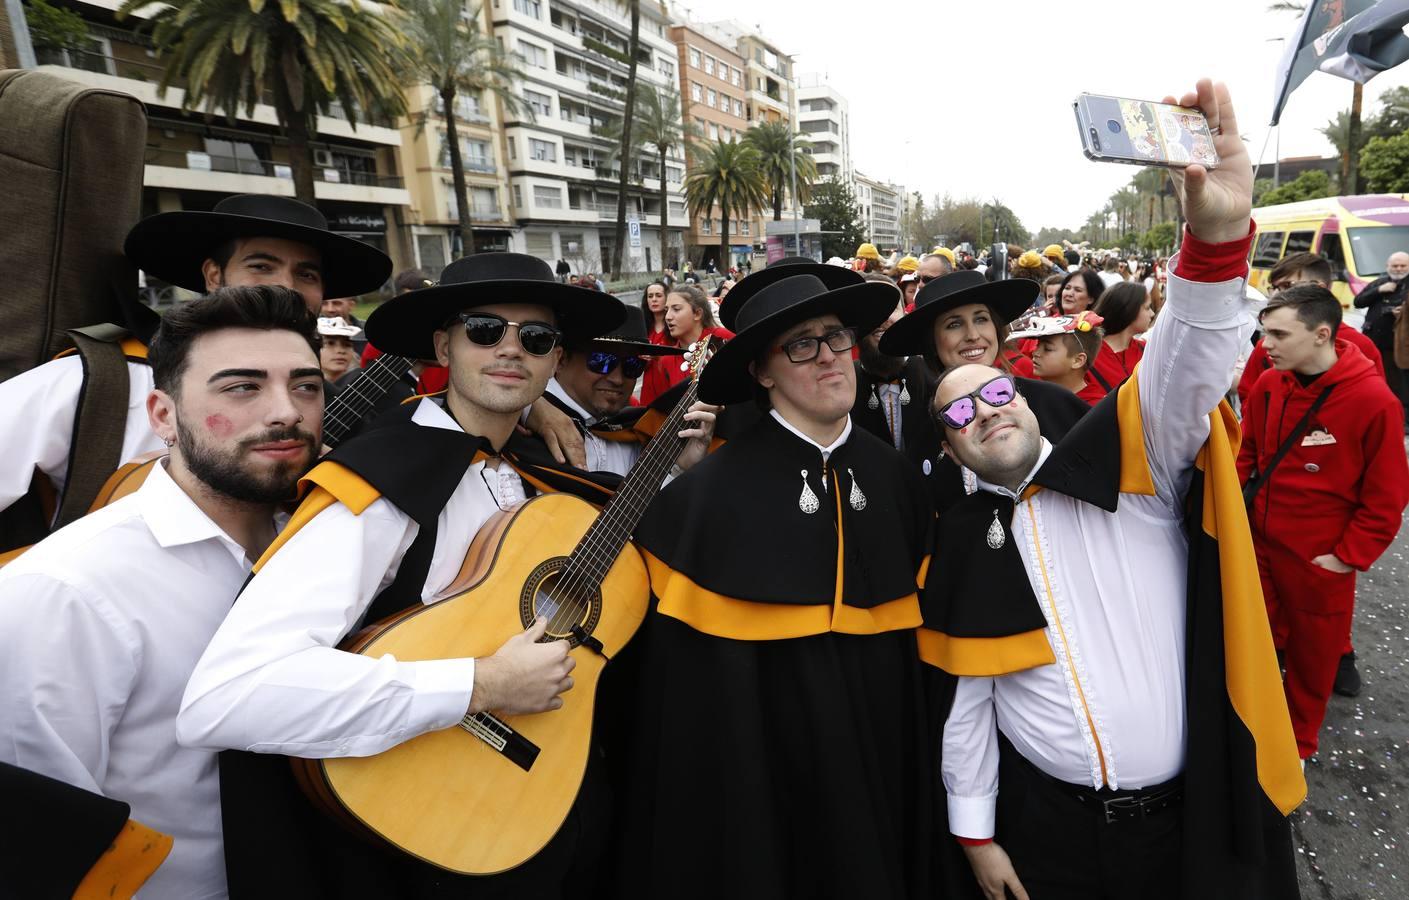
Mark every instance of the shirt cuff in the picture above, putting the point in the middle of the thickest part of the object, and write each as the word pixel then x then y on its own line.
pixel 1210 263
pixel 443 691
pixel 973 842
pixel 972 817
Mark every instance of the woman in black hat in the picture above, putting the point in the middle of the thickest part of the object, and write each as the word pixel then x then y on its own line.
pixel 780 728
pixel 962 319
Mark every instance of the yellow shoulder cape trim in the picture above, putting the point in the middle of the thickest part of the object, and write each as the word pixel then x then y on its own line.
pixel 331 483
pixel 978 657
pixel 125 866
pixel 1250 662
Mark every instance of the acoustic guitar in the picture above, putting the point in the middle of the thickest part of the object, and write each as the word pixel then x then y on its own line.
pixel 486 796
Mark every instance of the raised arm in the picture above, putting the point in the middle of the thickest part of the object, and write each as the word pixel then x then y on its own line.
pixel 1188 364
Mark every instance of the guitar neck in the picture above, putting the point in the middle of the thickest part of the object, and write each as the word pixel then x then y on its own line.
pixel 599 548
pixel 361 394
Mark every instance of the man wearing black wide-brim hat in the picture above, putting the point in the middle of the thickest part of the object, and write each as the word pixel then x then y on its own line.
pixel 593 387
pixel 247 240
pixel 781 732
pixel 397 506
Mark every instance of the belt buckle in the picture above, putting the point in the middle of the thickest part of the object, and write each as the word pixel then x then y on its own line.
pixel 1121 808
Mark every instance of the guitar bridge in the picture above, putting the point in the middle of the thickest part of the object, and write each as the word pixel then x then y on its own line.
pixel 499 735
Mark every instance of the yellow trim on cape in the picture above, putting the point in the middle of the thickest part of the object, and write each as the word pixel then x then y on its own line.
pixel 132 348
pixel 332 483
pixel 979 657
pixel 747 620
pixel 1250 663
pixel 125 866
pixel 1135 474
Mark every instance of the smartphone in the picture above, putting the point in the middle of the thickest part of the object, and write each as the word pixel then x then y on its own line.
pixel 1142 133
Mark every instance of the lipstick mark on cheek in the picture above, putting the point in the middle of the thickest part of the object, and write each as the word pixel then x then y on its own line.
pixel 964 430
pixel 219 426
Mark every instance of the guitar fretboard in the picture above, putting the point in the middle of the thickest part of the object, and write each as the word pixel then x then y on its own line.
pixel 361 394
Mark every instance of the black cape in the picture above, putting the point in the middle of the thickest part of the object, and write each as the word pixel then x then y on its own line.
pixel 276 843
pixel 773 754
pixel 1241 775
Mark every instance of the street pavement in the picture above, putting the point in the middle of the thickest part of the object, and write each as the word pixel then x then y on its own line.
pixel 1352 833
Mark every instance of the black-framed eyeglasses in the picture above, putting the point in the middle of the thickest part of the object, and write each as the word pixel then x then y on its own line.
pixel 806 349
pixel 487 330
pixel 961 411
pixel 600 362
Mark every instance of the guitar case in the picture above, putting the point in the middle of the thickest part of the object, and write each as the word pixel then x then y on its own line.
pixel 73 188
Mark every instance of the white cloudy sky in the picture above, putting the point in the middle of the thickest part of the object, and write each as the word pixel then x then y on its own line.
pixel 975 98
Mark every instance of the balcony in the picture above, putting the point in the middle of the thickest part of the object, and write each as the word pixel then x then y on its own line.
pixel 140 79
pixel 200 171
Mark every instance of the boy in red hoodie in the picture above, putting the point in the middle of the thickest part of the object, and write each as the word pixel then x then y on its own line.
pixel 1334 502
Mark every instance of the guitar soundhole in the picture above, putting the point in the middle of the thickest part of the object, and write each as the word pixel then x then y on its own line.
pixel 567 603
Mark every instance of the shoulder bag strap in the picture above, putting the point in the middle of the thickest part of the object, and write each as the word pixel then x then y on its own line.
pixel 1256 482
pixel 95 450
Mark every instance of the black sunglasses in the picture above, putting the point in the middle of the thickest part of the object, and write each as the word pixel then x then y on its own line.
pixel 601 363
pixel 960 411
pixel 487 330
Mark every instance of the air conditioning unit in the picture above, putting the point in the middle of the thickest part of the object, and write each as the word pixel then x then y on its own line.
pixel 323 158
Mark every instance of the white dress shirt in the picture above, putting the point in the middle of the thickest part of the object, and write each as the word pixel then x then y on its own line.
pixel 602 455
pixel 100 626
pixel 1110 711
pixel 272 679
pixel 37 410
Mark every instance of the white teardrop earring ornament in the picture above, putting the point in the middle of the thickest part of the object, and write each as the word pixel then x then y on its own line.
pixel 807 501
pixel 996 538
pixel 857 499
pixel 904 394
pixel 872 402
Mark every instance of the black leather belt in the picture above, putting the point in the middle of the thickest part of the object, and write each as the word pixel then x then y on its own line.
pixel 1114 806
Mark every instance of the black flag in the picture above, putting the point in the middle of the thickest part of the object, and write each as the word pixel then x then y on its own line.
pixel 1352 39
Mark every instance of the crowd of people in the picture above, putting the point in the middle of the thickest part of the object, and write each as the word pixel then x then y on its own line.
pixel 965 579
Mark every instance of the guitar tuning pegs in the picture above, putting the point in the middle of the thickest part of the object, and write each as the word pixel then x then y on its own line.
pixel 684 367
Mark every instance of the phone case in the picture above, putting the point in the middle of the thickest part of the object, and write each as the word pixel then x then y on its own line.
pixel 1142 133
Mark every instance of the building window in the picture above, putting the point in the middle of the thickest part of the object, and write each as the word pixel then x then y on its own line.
pixel 476 155
pixel 547 196
pixel 532 8
pixel 738 107
pixel 696 92
pixel 743 226
pixel 735 76
pixel 430 251
pixel 666 67
pixel 713 132
pixel 518 197
pixel 710 97
pixel 694 58
pixel 539 244
pixel 484 202
pixel 543 151
pixel 673 174
pixel 468 107
pixel 709 65
pixel 533 55
pixel 571 242
pixel 706 225
pixel 542 104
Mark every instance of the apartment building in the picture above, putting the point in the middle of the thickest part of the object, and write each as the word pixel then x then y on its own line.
pixel 561 177
pixel 193 162
pixel 713 99
pixel 823 117
pixel 880 204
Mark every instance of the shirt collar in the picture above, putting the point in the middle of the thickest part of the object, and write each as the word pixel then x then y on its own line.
pixel 828 450
pixel 174 518
pixel 433 415
pixel 1046 451
pixel 557 390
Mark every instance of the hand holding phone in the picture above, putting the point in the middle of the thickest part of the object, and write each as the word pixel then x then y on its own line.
pixel 1142 133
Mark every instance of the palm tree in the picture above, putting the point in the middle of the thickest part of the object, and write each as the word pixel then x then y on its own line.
pixel 450 53
pixel 624 148
pixel 658 126
pixel 780 151
pixel 309 53
pixel 726 175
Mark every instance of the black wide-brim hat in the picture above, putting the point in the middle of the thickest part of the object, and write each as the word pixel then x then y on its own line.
pixel 832 276
pixel 630 339
pixel 405 325
pixel 172 246
pixel 914 333
pixel 780 306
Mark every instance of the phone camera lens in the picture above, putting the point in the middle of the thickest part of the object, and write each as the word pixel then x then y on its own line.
pixel 1113 125
pixel 1095 139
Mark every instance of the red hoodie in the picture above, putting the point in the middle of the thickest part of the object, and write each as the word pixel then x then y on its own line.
pixel 1343 486
pixel 1258 363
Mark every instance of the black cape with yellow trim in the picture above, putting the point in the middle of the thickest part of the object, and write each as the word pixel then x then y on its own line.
pixel 1242 777
pixel 778 745
pixel 276 844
